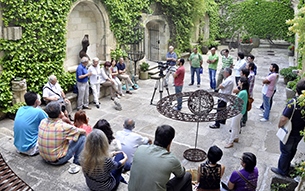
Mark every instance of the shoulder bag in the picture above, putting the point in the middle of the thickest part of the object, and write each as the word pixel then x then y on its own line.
pixel 247 181
pixel 284 132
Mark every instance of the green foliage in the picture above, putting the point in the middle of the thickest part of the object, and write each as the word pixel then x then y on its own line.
pixel 278 186
pixel 118 53
pixel 40 52
pixel 124 17
pixel 182 15
pixel 256 17
pixel 246 39
pixel 298 27
pixel 288 74
pixel 144 66
pixel 13 109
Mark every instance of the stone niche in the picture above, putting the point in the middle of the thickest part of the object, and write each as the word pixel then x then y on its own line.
pixel 88 17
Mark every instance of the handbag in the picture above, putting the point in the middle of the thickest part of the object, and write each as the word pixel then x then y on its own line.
pixel 247 181
pixel 249 104
pixel 284 132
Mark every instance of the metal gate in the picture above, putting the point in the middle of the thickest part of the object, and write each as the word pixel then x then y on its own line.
pixel 154 45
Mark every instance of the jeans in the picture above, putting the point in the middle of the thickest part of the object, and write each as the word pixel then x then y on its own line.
pixel 116 173
pixel 180 184
pixel 193 70
pixel 287 153
pixel 75 149
pixel 178 89
pixel 266 104
pixel 271 101
pixel 212 74
pixel 221 104
pixel 83 95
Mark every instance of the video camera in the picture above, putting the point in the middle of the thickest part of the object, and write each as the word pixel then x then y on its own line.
pixel 162 66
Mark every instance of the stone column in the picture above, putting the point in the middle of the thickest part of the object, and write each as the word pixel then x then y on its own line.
pixel 19 88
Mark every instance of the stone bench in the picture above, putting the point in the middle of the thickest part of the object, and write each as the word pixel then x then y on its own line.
pixel 104 91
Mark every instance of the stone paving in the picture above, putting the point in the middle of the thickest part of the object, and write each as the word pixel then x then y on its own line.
pixel 257 137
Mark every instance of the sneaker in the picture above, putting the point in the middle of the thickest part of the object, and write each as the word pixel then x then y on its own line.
pixel 134 87
pixel 276 171
pixel 198 85
pixel 128 92
pixel 97 106
pixel 191 84
pixel 263 120
pixel 176 109
pixel 118 96
pixel 214 126
pixel 261 115
pixel 122 95
pixel 86 107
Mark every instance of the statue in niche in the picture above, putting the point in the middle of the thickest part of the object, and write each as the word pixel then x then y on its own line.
pixel 85 44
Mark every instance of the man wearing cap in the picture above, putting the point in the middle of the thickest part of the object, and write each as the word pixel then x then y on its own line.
pixel 82 76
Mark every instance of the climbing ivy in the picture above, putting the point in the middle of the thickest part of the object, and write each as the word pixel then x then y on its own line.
pixel 256 17
pixel 182 15
pixel 124 17
pixel 41 50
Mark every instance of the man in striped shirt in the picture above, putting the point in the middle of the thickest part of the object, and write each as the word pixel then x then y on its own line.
pixel 59 141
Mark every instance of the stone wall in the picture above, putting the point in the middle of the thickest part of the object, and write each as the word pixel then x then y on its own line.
pixel 91 18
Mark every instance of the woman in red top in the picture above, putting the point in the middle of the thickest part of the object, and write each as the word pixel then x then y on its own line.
pixel 81 121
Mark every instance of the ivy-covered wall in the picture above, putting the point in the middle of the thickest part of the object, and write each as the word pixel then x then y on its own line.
pixel 40 52
pixel 256 17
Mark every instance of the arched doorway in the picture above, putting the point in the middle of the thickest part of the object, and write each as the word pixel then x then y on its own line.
pixel 87 17
pixel 157 36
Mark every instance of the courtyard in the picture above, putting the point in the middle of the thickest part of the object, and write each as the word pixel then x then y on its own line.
pixel 257 137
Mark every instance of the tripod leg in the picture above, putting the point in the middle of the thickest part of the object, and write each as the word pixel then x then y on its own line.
pixel 161 80
pixel 152 98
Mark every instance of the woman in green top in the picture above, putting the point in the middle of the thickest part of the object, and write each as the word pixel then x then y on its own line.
pixel 243 86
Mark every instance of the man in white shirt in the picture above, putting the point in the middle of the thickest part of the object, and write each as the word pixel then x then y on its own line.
pixel 225 87
pixel 53 92
pixel 240 64
pixel 130 141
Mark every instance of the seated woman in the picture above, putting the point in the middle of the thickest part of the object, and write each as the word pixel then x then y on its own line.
pixel 210 172
pixel 107 81
pixel 114 73
pixel 81 121
pixel 114 144
pixel 100 171
pixel 246 178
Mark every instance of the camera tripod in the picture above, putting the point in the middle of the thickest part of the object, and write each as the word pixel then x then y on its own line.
pixel 159 84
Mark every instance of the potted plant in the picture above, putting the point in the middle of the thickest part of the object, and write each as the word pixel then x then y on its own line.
pixel 255 41
pixel 291 50
pixel 144 71
pixel 246 45
pixel 288 74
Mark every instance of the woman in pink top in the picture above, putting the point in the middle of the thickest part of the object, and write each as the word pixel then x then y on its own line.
pixel 81 121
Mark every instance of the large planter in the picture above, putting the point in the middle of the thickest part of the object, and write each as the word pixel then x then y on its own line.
pixel 290 93
pixel 204 49
pixel 246 48
pixel 143 75
pixel 255 42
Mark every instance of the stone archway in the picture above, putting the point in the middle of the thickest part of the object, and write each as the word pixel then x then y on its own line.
pixel 87 17
pixel 156 37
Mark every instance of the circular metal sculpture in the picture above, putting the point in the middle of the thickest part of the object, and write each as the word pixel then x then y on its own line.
pixel 202 108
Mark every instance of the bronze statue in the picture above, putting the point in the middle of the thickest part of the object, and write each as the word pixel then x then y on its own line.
pixel 85 44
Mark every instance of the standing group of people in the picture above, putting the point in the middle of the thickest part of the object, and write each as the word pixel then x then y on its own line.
pixel 110 75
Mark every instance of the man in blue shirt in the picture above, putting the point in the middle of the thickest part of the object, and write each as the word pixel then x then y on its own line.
pixel 171 58
pixel 26 125
pixel 82 76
